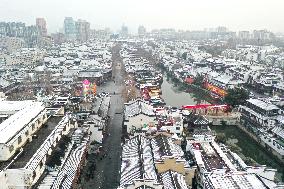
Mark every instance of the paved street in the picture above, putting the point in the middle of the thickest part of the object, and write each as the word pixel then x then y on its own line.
pixel 106 174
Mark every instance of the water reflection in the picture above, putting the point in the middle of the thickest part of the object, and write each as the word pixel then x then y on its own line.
pixel 173 96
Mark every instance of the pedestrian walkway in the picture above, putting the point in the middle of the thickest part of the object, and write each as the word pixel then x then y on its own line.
pixel 106 174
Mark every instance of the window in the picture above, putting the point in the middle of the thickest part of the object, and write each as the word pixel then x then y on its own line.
pixel 34 175
pixel 177 128
pixel 11 148
pixel 27 133
pixel 33 126
pixel 19 140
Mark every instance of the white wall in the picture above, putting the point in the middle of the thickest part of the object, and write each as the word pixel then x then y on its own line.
pixel 5 153
pixel 139 183
pixel 173 129
pixel 18 178
pixel 3 180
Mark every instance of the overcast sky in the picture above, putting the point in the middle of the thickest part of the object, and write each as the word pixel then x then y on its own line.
pixel 179 14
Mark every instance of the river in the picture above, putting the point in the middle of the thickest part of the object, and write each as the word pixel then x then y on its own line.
pixel 249 148
pixel 177 98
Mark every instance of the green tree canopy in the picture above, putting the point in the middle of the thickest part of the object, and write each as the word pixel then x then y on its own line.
pixel 184 55
pixel 221 137
pixel 236 96
pixel 198 80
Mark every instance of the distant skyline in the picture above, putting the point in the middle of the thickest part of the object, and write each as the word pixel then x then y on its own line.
pixel 153 14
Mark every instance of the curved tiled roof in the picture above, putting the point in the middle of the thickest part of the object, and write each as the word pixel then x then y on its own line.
pixel 137 161
pixel 138 107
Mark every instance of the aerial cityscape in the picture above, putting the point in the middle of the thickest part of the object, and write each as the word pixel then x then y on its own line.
pixel 144 105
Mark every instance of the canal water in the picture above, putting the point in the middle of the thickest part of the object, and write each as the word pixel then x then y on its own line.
pixel 250 148
pixel 175 97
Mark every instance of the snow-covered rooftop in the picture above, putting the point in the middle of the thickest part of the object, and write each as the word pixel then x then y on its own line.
pixel 137 107
pixel 263 105
pixel 234 181
pixel 172 179
pixel 50 141
pixel 14 106
pixel 137 161
pixel 28 110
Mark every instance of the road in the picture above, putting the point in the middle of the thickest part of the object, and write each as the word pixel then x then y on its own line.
pixel 106 174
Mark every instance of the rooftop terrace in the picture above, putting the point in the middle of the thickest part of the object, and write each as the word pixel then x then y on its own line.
pixel 30 148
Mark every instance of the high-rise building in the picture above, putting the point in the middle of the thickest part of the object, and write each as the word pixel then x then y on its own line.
pixel 82 30
pixel 12 29
pixel 32 35
pixel 41 24
pixel 79 30
pixel 244 35
pixel 222 29
pixel 262 35
pixel 69 28
pixel 124 31
pixel 141 30
pixel 19 30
